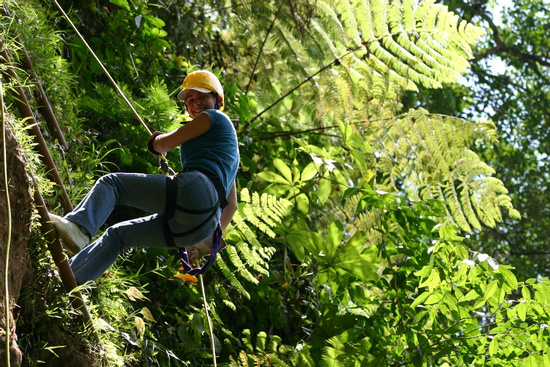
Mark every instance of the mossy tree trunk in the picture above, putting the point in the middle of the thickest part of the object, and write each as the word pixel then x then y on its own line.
pixel 20 200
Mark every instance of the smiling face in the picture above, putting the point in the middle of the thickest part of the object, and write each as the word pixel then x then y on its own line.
pixel 197 102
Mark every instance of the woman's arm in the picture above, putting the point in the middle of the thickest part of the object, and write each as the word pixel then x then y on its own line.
pixel 196 127
pixel 230 209
pixel 204 247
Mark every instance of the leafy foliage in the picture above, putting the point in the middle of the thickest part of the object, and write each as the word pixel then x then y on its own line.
pixel 429 157
pixel 348 245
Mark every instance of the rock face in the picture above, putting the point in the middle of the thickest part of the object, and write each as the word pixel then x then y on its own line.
pixel 20 200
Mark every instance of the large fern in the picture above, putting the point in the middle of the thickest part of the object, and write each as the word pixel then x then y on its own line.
pixel 266 351
pixel 245 256
pixel 430 157
pixel 368 50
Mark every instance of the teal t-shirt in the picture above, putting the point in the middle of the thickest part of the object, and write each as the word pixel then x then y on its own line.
pixel 215 151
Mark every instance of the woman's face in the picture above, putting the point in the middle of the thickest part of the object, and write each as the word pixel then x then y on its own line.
pixel 197 102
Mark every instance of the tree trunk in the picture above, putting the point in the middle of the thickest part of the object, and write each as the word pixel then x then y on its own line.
pixel 20 200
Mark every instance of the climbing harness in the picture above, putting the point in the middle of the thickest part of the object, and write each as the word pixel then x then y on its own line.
pixel 170 209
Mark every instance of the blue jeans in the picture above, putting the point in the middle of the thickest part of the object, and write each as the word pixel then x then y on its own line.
pixel 148 193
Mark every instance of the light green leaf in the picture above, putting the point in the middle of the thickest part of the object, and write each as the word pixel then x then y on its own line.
pixel 352 259
pixel 303 239
pixel 359 158
pixel 284 169
pixel 346 131
pixel 302 202
pixel 421 298
pixel 493 346
pixel 140 325
pixel 121 3
pixel 270 176
pixel 490 290
pixel 526 293
pixel 147 314
pixel 433 298
pixel 309 172
pixel 325 187
pixel 522 309
pixel 133 294
pixel 334 238
pixel 155 22
pixel 433 280
pixel 509 277
pixel 471 295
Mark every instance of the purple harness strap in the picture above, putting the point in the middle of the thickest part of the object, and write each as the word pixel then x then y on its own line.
pixel 216 240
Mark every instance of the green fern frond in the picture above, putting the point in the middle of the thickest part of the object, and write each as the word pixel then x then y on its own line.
pixel 248 235
pixel 239 265
pixel 245 256
pixel 158 106
pixel 332 353
pixel 392 33
pixel 431 151
pixel 264 350
pixel 231 278
pixel 229 304
pixel 263 212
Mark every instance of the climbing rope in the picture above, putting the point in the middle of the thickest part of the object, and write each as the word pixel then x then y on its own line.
pixel 103 68
pixel 163 162
pixel 8 241
pixel 162 159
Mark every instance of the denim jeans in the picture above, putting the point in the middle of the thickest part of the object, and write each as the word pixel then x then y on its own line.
pixel 148 193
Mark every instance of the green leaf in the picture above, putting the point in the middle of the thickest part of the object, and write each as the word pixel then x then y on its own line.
pixel 490 290
pixel 433 298
pixel 134 294
pixel 302 202
pixel 325 187
pixel 154 21
pixel 509 277
pixel 522 309
pixel 121 3
pixel 493 346
pixel 432 281
pixel 273 177
pixel 359 158
pixel 300 240
pixel 471 295
pixel 333 238
pixel 147 314
pixel 362 264
pixel 526 293
pixel 421 298
pixel 284 169
pixel 309 172
pixel 140 325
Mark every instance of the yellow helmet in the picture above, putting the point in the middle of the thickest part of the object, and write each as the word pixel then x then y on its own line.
pixel 203 81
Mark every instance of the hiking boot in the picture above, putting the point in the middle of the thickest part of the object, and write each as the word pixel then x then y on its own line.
pixel 74 237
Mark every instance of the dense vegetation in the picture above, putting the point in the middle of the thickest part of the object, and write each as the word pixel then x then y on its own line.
pixel 375 220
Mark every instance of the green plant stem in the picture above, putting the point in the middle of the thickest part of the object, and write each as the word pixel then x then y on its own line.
pixel 210 330
pixel 8 241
